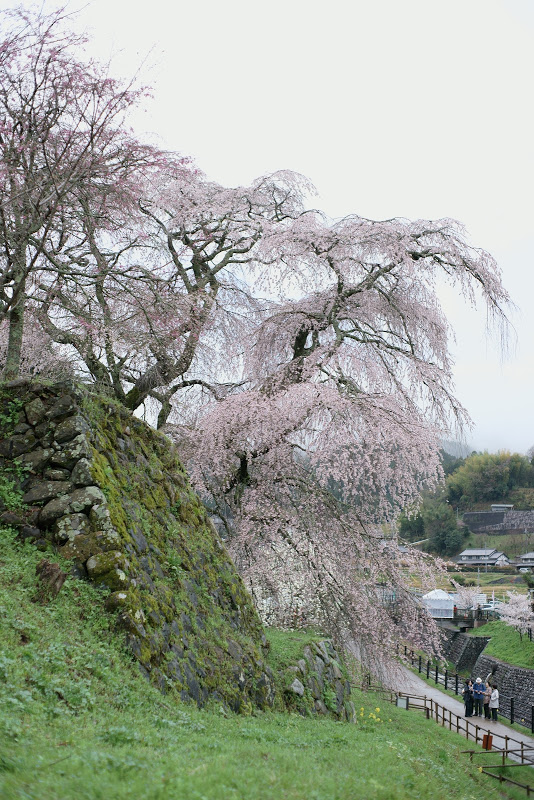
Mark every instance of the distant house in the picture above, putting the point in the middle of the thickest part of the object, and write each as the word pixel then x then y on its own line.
pixel 481 558
pixel 502 507
pixel 526 561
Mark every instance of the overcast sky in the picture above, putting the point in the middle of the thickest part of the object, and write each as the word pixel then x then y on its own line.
pixel 411 108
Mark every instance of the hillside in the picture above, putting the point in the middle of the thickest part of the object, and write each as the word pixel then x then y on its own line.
pixel 78 720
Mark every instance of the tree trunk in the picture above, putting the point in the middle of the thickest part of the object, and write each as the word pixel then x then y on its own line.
pixel 16 330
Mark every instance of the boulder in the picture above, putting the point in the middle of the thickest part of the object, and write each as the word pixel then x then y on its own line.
pixel 297 688
pixel 82 547
pixel 35 460
pixel 67 457
pixel 70 428
pixel 81 499
pixel 14 446
pixel 56 474
pixel 81 474
pixel 63 406
pixel 11 518
pixel 41 491
pixel 101 563
pixel 54 509
pixel 66 528
pixel 35 411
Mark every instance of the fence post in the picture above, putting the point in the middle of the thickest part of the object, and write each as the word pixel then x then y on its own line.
pixel 436 678
pixel 532 719
pixel 428 670
pixel 419 663
pixel 405 650
pixel 456 684
pixel 411 659
pixel 512 710
pixel 446 678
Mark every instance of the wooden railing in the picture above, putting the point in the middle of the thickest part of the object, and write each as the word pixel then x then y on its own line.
pixel 523 755
pixel 453 682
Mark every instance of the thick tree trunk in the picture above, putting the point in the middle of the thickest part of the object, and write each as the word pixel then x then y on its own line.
pixel 14 344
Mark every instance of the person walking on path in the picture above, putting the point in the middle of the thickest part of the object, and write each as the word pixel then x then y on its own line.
pixel 487 695
pixel 494 703
pixel 478 696
pixel 467 692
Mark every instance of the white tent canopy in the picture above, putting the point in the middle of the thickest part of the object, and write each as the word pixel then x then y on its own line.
pixel 440 604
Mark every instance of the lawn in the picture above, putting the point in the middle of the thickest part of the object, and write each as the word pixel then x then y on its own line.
pixel 506 644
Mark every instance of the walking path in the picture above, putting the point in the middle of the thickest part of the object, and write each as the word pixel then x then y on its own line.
pixel 408 683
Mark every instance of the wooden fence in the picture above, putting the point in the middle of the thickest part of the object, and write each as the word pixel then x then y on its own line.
pixel 453 682
pixel 522 754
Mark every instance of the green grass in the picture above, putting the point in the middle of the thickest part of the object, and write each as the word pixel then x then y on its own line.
pixel 77 720
pixel 286 646
pixel 506 644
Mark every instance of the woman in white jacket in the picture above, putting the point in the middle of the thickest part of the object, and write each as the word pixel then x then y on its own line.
pixel 494 703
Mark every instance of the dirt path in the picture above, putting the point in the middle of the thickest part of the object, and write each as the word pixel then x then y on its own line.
pixel 408 683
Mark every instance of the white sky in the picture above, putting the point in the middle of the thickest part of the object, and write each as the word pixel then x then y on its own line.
pixel 412 108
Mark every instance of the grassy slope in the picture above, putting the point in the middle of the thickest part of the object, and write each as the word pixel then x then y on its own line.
pixel 506 645
pixel 77 720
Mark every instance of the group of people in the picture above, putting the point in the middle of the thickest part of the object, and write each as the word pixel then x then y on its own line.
pixel 481 698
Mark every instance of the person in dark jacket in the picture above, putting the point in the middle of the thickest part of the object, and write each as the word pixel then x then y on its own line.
pixel 467 692
pixel 479 688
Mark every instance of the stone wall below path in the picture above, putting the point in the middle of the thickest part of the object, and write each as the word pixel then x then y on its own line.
pixel 512 682
pixel 463 650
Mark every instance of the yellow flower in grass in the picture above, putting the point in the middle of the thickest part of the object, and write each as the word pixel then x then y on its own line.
pixel 377 710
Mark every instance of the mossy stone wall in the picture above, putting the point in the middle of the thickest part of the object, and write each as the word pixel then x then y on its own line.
pixel 109 493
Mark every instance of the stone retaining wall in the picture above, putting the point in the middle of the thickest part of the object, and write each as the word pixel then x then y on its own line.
pixel 109 494
pixel 318 683
pixel 463 650
pixel 511 682
pixel 466 652
pixel 499 521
